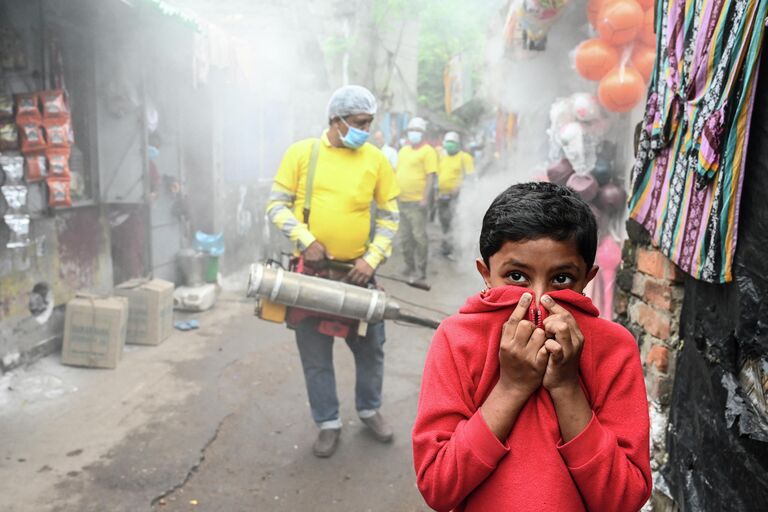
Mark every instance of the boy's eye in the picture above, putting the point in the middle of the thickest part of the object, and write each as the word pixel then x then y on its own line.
pixel 563 280
pixel 516 277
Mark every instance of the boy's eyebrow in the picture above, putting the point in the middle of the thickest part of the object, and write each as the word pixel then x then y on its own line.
pixel 567 266
pixel 516 263
pixel 564 266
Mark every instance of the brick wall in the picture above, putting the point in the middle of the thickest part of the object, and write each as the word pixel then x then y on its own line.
pixel 648 303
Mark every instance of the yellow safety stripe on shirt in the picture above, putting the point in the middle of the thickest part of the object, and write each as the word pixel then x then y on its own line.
pixel 387 223
pixel 280 213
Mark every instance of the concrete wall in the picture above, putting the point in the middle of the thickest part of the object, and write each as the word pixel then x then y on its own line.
pixel 71 252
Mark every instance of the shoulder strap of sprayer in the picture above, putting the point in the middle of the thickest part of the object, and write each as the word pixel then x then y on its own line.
pixel 311 179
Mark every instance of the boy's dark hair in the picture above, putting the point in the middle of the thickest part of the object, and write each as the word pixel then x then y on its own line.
pixel 529 211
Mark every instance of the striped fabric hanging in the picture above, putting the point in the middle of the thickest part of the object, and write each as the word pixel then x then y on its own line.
pixel 686 181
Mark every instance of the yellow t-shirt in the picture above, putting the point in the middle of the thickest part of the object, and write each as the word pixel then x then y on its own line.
pixel 453 168
pixel 346 183
pixel 413 166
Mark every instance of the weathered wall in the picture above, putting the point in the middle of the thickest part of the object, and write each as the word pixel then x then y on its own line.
pixel 648 302
pixel 70 252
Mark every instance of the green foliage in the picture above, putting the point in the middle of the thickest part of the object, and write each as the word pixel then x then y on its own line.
pixel 450 27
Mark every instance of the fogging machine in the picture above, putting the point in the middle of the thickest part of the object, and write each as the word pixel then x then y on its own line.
pixel 275 288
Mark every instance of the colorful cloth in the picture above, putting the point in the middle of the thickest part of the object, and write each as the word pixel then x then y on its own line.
pixel 686 181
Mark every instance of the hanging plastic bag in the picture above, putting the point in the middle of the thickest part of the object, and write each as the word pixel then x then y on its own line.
pixel 15 197
pixel 28 108
pixel 19 226
pixel 13 168
pixel 32 137
pixel 54 104
pixel 58 132
pixel 6 106
pixel 37 167
pixel 59 192
pixel 58 163
pixel 9 136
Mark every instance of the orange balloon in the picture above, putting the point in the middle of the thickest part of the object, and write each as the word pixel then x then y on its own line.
pixel 595 58
pixel 619 21
pixel 646 4
pixel 643 58
pixel 593 9
pixel 621 89
pixel 648 30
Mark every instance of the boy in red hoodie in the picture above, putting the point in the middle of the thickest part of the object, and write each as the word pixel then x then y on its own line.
pixel 529 401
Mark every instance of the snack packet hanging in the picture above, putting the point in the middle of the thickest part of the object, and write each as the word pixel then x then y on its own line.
pixel 13 168
pixel 58 132
pixel 54 104
pixel 9 136
pixel 58 163
pixel 15 197
pixel 32 137
pixel 59 192
pixel 37 167
pixel 28 108
pixel 6 106
pixel 19 225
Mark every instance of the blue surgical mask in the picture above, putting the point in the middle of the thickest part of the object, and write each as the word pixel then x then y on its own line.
pixel 415 137
pixel 355 137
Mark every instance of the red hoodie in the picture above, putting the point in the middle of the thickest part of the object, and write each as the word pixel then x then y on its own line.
pixel 460 463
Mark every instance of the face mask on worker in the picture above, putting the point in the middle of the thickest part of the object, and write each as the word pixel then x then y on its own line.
pixel 415 137
pixel 355 137
pixel 451 147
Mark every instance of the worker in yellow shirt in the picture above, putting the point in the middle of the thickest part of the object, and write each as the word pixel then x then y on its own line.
pixel 455 164
pixel 416 173
pixel 322 200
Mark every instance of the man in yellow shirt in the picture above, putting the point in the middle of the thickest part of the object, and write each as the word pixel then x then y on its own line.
pixel 455 164
pixel 349 176
pixel 416 170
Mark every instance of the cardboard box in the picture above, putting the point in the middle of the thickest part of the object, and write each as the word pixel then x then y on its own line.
pixel 94 331
pixel 150 316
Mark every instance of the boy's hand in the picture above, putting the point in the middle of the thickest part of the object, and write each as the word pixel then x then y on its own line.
pixel 522 356
pixel 564 350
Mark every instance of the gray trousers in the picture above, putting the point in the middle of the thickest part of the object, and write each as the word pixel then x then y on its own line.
pixel 316 352
pixel 413 235
pixel 446 211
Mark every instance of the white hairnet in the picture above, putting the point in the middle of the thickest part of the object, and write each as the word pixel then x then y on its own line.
pixel 417 124
pixel 451 137
pixel 350 100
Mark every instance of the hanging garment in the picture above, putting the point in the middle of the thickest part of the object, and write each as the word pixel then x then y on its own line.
pixel 687 178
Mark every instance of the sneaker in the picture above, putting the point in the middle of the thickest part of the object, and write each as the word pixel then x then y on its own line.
pixel 326 443
pixel 381 430
pixel 420 279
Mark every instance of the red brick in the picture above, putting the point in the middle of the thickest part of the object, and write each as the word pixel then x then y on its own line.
pixel 655 323
pixel 658 294
pixel 658 356
pixel 620 303
pixel 652 262
pixel 638 284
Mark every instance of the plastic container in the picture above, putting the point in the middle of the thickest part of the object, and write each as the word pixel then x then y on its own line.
pixel 191 266
pixel 212 269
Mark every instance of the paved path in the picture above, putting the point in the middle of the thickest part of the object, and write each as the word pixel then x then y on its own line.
pixel 215 419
